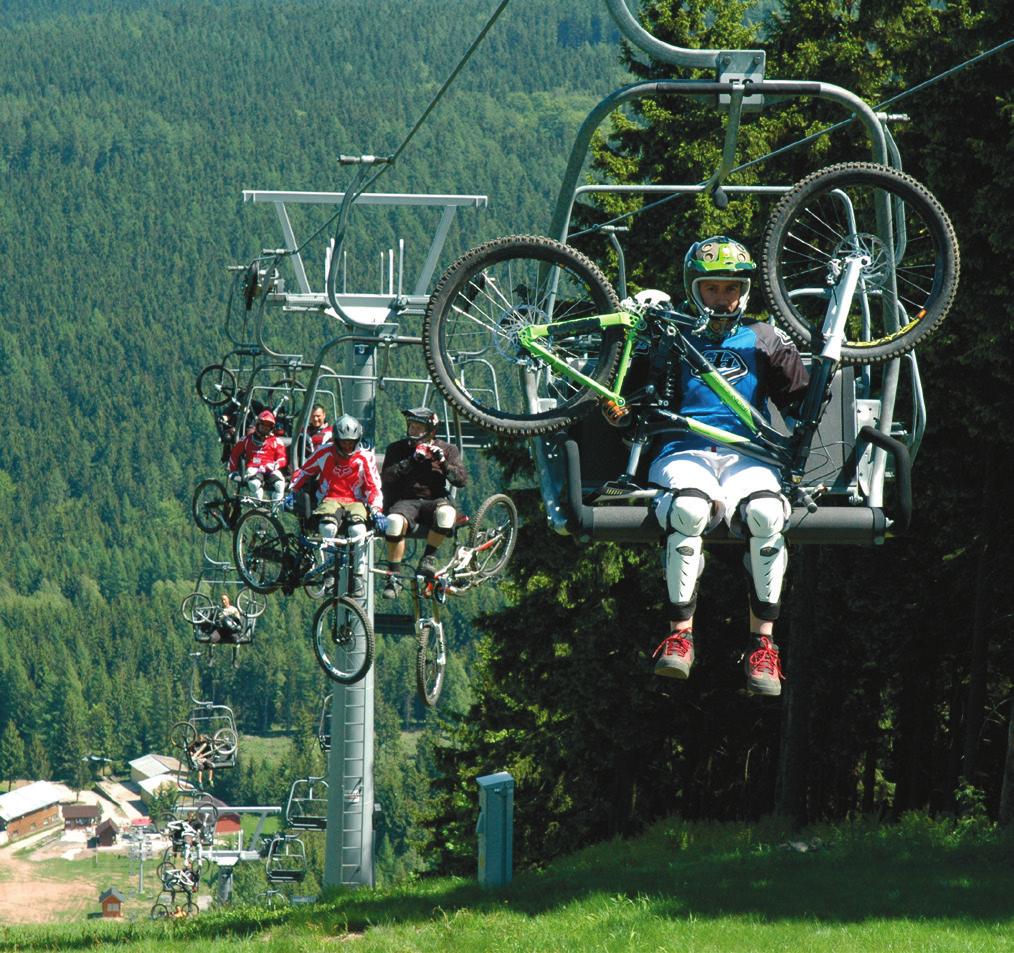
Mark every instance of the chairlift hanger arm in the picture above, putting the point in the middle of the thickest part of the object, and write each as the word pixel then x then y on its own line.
pixel 560 224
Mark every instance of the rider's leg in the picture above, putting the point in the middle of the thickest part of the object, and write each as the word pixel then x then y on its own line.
pixel 275 482
pixel 358 557
pixel 763 515
pixel 684 514
pixel 255 484
pixel 397 528
pixel 443 516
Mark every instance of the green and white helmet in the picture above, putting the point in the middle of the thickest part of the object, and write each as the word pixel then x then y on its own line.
pixel 717 257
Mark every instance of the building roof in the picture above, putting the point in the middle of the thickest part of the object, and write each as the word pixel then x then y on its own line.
pixel 152 764
pixel 106 825
pixel 152 785
pixel 111 892
pixel 32 797
pixel 78 811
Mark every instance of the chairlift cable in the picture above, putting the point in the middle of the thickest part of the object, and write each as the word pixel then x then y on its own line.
pixel 919 87
pixel 404 143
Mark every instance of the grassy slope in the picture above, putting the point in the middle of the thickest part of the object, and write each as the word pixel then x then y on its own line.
pixel 679 887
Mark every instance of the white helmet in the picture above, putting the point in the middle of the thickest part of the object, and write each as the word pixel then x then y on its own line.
pixel 347 427
pixel 653 298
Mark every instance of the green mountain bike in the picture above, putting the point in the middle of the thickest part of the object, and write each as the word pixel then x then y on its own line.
pixel 860 264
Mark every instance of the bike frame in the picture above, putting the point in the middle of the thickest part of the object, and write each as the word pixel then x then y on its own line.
pixel 766 444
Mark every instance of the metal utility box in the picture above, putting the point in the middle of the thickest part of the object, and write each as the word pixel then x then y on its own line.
pixel 495 828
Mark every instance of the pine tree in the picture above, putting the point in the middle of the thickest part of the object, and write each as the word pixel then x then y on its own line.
pixel 12 754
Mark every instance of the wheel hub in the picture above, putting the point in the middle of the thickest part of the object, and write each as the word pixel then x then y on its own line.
pixel 873 249
pixel 509 326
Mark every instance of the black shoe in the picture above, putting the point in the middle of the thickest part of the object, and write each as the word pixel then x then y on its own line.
pixel 427 566
pixel 393 586
pixel 358 588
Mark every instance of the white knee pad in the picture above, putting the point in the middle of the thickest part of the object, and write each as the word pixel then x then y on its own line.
pixel 327 526
pixel 277 483
pixel 396 526
pixel 443 517
pixel 255 486
pixel 765 518
pixel 357 533
pixel 684 519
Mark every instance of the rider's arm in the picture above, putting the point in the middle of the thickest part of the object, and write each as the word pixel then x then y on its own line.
pixel 309 470
pixel 787 377
pixel 454 469
pixel 371 481
pixel 236 457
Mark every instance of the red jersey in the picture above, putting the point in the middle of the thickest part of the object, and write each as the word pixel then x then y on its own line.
pixel 351 479
pixel 320 436
pixel 266 458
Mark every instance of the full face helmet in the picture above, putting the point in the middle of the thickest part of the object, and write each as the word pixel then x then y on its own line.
pixel 424 416
pixel 720 258
pixel 263 425
pixel 346 430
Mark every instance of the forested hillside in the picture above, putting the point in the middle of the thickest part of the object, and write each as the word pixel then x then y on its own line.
pixel 127 131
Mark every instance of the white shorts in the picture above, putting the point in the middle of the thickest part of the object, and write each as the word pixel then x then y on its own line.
pixel 726 477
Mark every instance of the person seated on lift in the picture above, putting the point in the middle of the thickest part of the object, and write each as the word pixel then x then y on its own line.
pixel 416 473
pixel 227 624
pixel 702 483
pixel 259 459
pixel 347 491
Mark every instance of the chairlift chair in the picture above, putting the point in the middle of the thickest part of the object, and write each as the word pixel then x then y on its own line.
pixel 286 859
pixel 306 808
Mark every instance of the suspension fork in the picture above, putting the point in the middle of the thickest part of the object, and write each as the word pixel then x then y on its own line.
pixel 826 364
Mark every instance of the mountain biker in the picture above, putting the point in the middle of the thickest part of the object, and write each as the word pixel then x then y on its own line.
pixel 416 472
pixel 347 491
pixel 704 483
pixel 200 754
pixel 259 458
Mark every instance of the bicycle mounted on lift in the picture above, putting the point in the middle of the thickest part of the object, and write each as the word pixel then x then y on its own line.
pixel 269 557
pixel 492 536
pixel 541 308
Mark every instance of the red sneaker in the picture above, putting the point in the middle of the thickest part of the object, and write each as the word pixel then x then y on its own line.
pixel 763 667
pixel 675 655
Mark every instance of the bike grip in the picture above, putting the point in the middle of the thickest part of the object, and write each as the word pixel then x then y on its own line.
pixel 902 472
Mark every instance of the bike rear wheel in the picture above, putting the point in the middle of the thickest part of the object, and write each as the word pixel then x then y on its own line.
pixel 259 547
pixel 225 742
pixel 430 662
pixel 343 640
pixel 479 306
pixel 494 534
pixel 906 288
pixel 216 385
pixel 210 506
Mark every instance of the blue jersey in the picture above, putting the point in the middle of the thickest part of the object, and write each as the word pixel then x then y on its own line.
pixel 758 360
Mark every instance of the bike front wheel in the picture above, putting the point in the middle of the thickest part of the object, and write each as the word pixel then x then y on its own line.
pixel 430 662
pixel 908 246
pixel 494 534
pixel 343 640
pixel 197 608
pixel 474 318
pixel 259 547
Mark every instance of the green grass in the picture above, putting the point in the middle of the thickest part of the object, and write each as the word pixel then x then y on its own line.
pixel 701 888
pixel 275 749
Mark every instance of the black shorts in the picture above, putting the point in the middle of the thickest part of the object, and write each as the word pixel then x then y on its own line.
pixel 418 512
